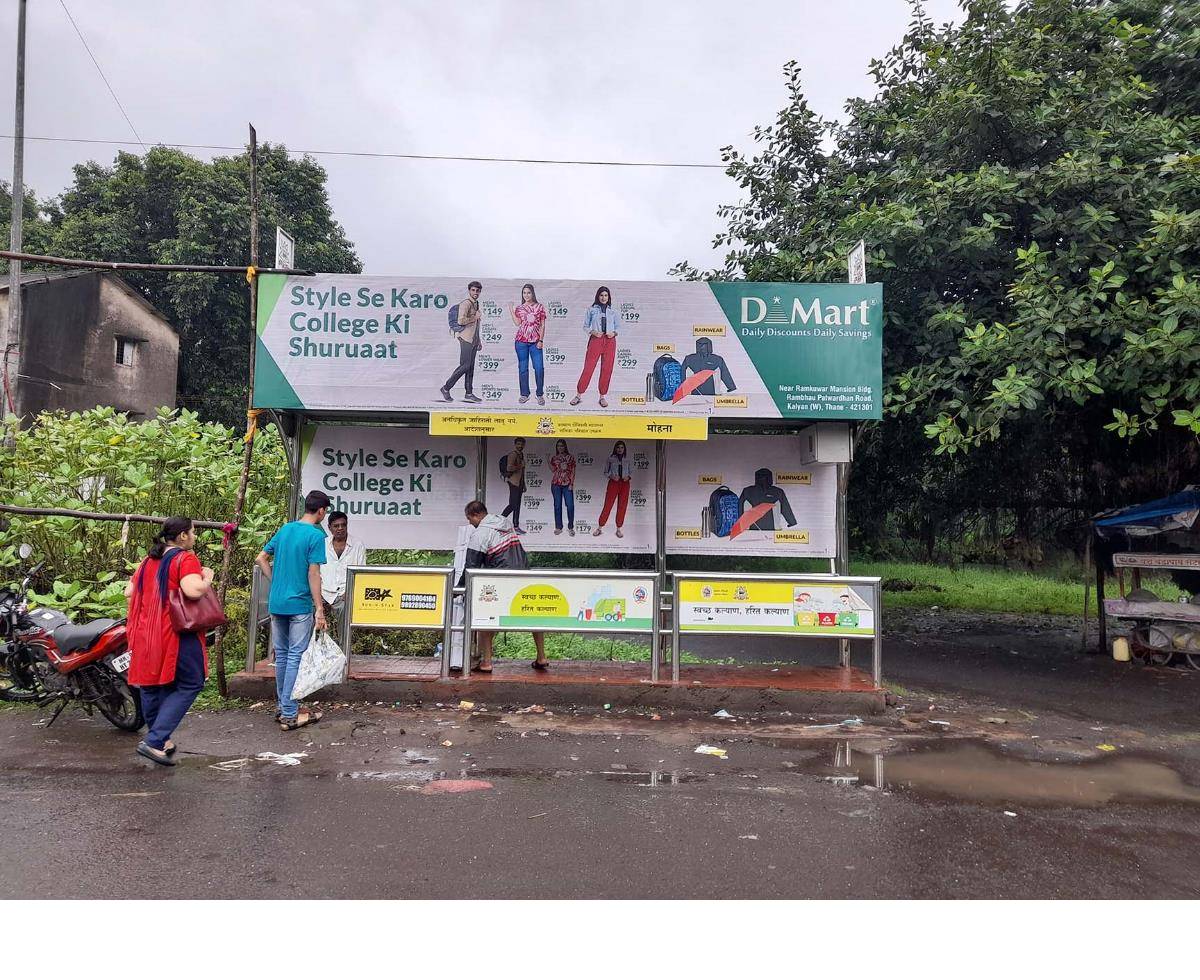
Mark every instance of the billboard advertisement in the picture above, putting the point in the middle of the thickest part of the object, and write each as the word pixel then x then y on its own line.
pixel 561 493
pixel 399 487
pixel 749 495
pixel 727 349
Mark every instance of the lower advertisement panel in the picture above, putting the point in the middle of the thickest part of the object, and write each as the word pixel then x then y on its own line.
pixel 550 601
pixel 799 607
pixel 399 598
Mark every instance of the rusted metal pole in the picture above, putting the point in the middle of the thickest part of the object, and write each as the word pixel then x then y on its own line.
pixel 10 350
pixel 239 507
pixel 89 515
pixel 138 266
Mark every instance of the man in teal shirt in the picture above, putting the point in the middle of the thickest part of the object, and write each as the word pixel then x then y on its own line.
pixel 291 562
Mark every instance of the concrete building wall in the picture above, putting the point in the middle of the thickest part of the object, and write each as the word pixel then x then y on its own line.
pixel 70 328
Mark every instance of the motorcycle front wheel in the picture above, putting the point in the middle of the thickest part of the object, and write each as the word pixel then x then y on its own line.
pixel 16 686
pixel 117 701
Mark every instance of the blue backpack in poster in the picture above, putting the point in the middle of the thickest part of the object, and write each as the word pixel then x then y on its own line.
pixel 504 466
pixel 723 511
pixel 668 376
pixel 452 316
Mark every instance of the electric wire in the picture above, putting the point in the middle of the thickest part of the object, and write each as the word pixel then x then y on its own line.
pixel 391 156
pixel 88 49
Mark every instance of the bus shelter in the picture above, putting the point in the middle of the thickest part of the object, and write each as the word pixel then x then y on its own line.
pixel 735 406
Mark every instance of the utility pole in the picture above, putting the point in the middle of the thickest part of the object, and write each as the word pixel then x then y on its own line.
pixel 239 507
pixel 10 362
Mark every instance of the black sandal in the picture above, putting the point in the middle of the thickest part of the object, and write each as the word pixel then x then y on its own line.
pixel 170 748
pixel 310 718
pixel 154 755
pixel 538 665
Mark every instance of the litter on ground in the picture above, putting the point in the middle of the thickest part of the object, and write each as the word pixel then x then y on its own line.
pixel 711 750
pixel 722 714
pixel 284 759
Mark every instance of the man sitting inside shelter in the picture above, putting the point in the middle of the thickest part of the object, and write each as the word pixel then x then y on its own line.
pixel 341 552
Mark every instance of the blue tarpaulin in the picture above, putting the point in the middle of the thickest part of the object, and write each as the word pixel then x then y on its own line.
pixel 1174 513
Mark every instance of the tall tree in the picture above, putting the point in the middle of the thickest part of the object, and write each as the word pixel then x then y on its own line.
pixel 169 207
pixel 1028 183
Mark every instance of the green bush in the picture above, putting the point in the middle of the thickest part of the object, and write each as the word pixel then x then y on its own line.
pixel 101 460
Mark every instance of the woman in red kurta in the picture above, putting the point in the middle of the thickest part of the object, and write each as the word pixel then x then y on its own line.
pixel 168 667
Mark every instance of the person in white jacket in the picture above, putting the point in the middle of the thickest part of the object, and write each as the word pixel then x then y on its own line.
pixel 341 552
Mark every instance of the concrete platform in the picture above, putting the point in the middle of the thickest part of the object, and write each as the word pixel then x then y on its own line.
pixel 843 691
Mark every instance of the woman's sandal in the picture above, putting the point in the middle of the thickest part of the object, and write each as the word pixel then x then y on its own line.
pixel 538 665
pixel 302 719
pixel 154 755
pixel 170 747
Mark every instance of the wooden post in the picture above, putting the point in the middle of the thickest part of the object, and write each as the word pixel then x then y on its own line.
pixel 239 507
pixel 1087 585
pixel 1101 619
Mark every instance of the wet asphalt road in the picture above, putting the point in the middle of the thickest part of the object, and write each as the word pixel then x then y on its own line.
pixel 597 806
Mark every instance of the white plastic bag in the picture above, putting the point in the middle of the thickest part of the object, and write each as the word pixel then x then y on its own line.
pixel 323 663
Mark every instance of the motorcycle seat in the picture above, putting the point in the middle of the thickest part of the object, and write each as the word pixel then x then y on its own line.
pixel 70 638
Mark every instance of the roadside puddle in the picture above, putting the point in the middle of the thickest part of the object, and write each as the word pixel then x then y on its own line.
pixel 974 772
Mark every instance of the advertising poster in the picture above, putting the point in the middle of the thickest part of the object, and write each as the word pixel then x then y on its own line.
pixel 395 598
pixel 585 486
pixel 749 495
pixel 543 600
pixel 729 349
pixel 802 608
pixel 400 488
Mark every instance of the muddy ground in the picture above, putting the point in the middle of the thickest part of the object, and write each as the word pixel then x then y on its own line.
pixel 1010 765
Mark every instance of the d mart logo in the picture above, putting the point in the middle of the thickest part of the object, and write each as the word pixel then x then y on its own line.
pixel 756 311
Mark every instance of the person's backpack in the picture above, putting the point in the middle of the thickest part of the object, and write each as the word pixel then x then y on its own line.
pixel 504 466
pixel 668 376
pixel 723 508
pixel 452 315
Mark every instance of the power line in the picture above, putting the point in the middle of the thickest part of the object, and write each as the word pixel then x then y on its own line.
pixel 88 49
pixel 393 156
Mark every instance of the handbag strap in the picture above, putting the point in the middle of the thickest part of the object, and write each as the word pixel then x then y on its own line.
pixel 164 571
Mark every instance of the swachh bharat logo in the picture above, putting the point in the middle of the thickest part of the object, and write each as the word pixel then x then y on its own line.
pixel 602 607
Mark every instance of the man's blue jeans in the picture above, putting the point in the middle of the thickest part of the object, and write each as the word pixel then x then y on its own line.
pixel 525 354
pixel 290 636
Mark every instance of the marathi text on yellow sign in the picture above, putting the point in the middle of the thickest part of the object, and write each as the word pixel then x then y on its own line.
pixel 398 598
pixel 513 424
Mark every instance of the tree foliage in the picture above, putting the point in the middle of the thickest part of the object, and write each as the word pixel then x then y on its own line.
pixel 99 460
pixel 1028 184
pixel 171 208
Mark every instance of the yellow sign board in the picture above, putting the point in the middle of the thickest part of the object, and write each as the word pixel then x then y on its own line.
pixel 526 424
pixel 398 598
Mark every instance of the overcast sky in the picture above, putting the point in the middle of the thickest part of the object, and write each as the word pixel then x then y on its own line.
pixel 663 81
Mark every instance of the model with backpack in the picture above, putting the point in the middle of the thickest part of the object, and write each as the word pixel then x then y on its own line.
pixel 464 319
pixel 512 468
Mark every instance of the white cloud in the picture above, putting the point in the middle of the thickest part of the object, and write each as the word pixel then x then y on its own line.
pixel 668 81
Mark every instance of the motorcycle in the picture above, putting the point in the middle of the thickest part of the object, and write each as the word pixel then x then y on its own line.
pixel 47 659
